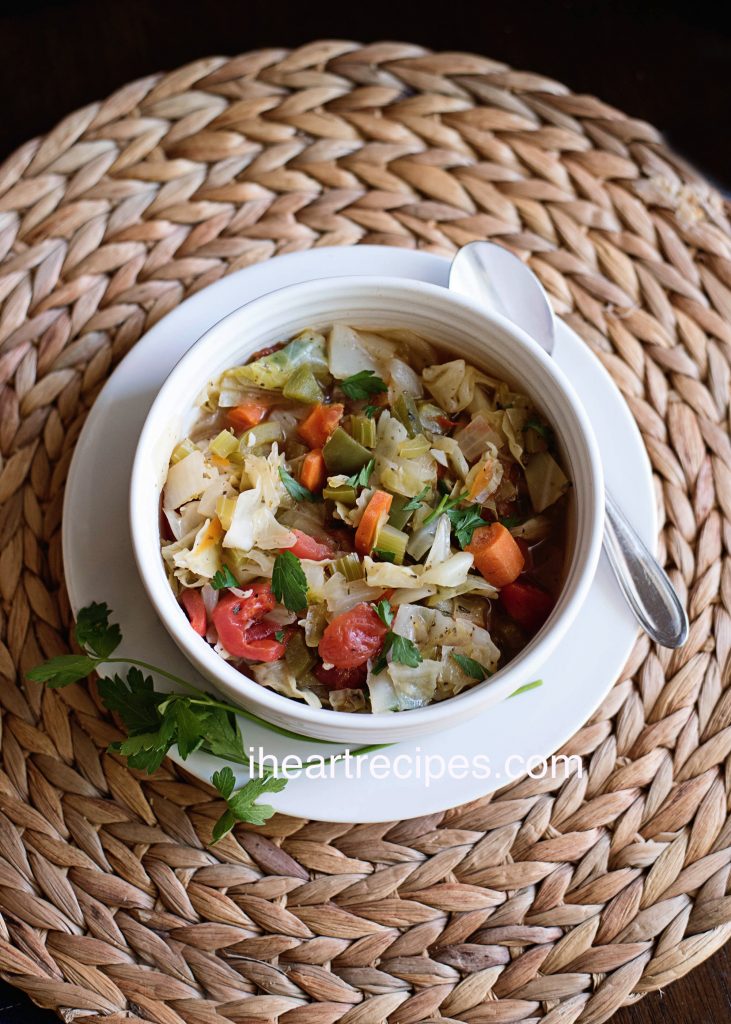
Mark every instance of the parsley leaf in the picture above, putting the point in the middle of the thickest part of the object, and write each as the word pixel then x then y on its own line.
pixel 385 556
pixel 297 490
pixel 371 410
pixel 471 667
pixel 62 670
pixel 242 804
pixel 405 651
pixel 383 611
pixel 362 384
pixel 289 583
pixel 224 578
pixel 510 521
pixel 528 686
pixel 224 781
pixel 361 478
pixel 445 504
pixel 279 636
pixel 93 630
pixel 540 428
pixel 464 523
pixel 402 650
pixel 134 699
pixel 413 503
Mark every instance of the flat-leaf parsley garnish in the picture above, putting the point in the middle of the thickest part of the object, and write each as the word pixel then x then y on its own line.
pixel 289 583
pixel 298 491
pixel 363 384
pixel 402 650
pixel 414 503
pixel 471 667
pixel 156 721
pixel 361 478
pixel 464 523
pixel 224 578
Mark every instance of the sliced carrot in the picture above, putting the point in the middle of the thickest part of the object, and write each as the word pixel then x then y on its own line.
pixel 320 424
pixel 246 415
pixel 374 516
pixel 313 473
pixel 497 554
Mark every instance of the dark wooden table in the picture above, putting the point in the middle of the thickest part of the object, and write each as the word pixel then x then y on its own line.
pixel 665 62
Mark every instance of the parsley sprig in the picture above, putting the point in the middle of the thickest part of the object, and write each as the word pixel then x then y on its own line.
pixel 156 721
pixel 402 650
pixel 445 504
pixel 289 583
pixel 361 478
pixel 464 523
pixel 363 384
pixel 414 503
pixel 298 491
pixel 471 667
pixel 224 578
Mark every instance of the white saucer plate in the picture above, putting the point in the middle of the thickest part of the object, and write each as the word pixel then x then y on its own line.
pixel 463 763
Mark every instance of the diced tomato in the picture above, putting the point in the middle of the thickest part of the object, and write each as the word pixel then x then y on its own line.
pixel 263 650
pixel 307 547
pixel 342 678
pixel 195 609
pixel 526 604
pixel 352 638
pixel 261 630
pixel 238 628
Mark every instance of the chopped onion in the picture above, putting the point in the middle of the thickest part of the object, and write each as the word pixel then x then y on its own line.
pixel 440 549
pixel 210 598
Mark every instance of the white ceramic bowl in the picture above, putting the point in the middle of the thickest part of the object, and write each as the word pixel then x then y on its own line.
pixel 458 325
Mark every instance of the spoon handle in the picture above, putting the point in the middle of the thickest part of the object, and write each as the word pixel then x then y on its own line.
pixel 648 590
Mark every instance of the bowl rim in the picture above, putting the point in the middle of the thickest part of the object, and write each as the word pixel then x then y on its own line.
pixel 271 703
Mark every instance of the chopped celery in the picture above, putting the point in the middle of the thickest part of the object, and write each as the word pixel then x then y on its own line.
pixel 345 494
pixel 364 431
pixel 262 433
pixel 302 386
pixel 414 447
pixel 299 657
pixel 343 454
pixel 404 409
pixel 225 510
pixel 399 516
pixel 350 566
pixel 391 542
pixel 180 451
pixel 224 444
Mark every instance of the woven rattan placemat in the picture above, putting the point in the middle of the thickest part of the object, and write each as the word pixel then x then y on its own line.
pixel 554 900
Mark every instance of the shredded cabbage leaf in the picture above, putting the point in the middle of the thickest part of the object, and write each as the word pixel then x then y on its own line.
pixel 273 371
pixel 453 384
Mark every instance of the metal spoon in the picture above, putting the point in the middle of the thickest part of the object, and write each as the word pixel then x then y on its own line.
pixel 493 277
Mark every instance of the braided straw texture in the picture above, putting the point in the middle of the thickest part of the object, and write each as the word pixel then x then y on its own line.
pixel 554 900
